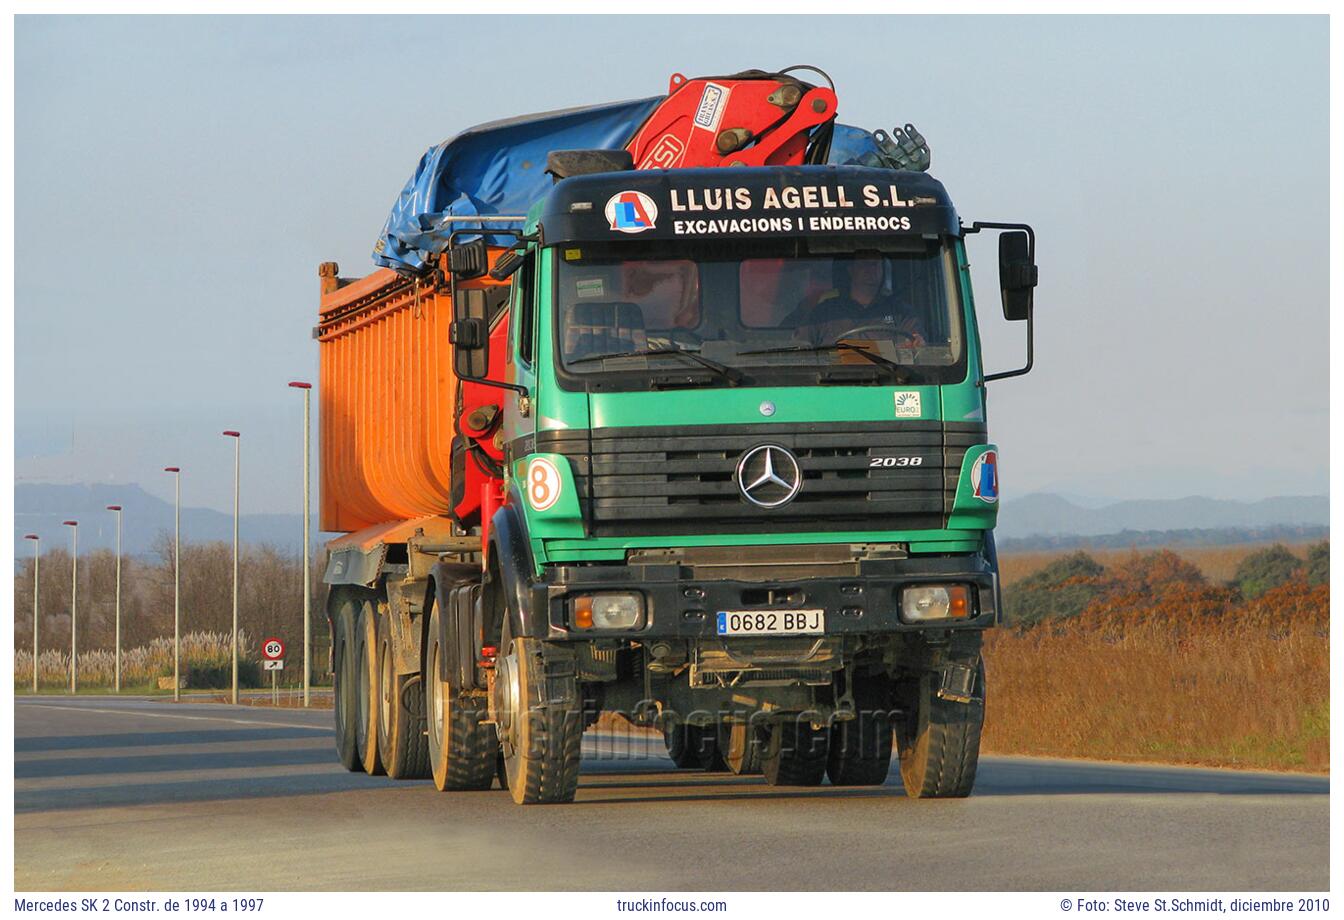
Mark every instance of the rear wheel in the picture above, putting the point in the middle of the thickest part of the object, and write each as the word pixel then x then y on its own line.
pixel 795 755
pixel 940 741
pixel 462 751
pixel 740 744
pixel 861 747
pixel 366 689
pixel 345 687
pixel 540 721
pixel 693 747
pixel 402 746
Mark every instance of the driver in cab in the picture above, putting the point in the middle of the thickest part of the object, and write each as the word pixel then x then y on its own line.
pixel 859 300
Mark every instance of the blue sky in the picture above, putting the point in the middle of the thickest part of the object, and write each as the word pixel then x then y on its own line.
pixel 178 179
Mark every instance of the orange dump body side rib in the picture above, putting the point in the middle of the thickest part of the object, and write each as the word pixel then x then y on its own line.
pixel 389 400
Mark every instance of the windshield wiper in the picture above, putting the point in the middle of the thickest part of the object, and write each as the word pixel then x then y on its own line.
pixel 868 353
pixel 731 374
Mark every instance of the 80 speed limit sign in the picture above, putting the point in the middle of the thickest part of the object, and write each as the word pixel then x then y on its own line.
pixel 272 649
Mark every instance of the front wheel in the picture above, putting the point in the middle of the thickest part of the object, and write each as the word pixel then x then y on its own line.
pixel 462 751
pixel 540 721
pixel 940 740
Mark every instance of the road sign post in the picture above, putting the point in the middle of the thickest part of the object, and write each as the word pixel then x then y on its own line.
pixel 273 660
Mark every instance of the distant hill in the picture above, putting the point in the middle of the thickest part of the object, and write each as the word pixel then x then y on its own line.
pixel 1047 515
pixel 1034 521
pixel 40 507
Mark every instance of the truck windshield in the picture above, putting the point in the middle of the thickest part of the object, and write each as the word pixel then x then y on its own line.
pixel 767 311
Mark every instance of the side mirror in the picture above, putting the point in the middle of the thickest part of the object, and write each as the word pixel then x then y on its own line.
pixel 1017 274
pixel 469 260
pixel 509 262
pixel 470 334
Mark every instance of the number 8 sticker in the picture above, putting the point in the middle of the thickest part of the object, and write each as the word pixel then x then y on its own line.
pixel 543 484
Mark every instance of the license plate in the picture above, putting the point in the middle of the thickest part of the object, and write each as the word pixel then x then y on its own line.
pixel 771 622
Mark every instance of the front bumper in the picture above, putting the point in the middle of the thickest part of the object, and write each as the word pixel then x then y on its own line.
pixel 680 601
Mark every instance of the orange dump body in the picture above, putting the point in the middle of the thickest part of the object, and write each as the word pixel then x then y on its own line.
pixel 389 401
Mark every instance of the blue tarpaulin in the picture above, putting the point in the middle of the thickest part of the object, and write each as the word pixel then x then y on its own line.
pixel 500 169
pixel 495 168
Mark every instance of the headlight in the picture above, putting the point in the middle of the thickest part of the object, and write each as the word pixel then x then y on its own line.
pixel 935 602
pixel 608 611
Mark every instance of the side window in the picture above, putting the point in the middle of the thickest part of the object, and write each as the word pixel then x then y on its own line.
pixel 524 308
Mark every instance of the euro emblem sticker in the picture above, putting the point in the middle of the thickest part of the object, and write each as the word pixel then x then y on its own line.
pixel 907 404
pixel 631 212
pixel 985 477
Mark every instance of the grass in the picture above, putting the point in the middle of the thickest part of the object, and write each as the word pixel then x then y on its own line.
pixel 1150 679
pixel 141 667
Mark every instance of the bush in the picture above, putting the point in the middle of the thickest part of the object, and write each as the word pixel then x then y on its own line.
pixel 216 676
pixel 1150 573
pixel 1062 589
pixel 1318 564
pixel 1269 568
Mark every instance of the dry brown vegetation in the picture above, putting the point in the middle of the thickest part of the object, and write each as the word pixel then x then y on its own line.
pixel 270 603
pixel 1163 665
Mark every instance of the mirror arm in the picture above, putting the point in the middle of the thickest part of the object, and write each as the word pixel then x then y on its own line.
pixel 499 384
pixel 976 227
pixel 1031 357
pixel 523 240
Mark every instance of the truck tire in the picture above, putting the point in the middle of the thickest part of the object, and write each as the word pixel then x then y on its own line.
pixel 402 746
pixel 693 747
pixel 462 751
pixel 861 747
pixel 795 754
pixel 540 719
pixel 366 690
pixel 940 741
pixel 345 685
pixel 740 745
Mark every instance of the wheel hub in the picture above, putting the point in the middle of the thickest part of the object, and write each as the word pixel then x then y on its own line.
pixel 505 700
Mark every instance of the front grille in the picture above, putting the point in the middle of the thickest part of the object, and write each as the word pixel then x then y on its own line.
pixel 680 480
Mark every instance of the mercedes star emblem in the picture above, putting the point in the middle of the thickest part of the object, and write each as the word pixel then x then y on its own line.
pixel 769 476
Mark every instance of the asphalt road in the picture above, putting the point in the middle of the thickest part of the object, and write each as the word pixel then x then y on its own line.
pixel 113 794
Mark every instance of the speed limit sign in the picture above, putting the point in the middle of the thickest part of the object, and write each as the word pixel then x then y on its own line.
pixel 272 649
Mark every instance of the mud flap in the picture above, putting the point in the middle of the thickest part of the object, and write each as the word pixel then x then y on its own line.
pixel 958 684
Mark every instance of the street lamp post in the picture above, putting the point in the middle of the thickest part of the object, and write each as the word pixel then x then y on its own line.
pixel 116 670
pixel 307 581
pixel 37 560
pixel 74 601
pixel 177 580
pixel 237 442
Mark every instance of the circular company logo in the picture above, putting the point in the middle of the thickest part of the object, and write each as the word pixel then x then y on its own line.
pixel 985 477
pixel 631 212
pixel 767 408
pixel 769 476
pixel 543 484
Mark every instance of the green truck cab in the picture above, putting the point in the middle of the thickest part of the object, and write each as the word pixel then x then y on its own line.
pixel 749 487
